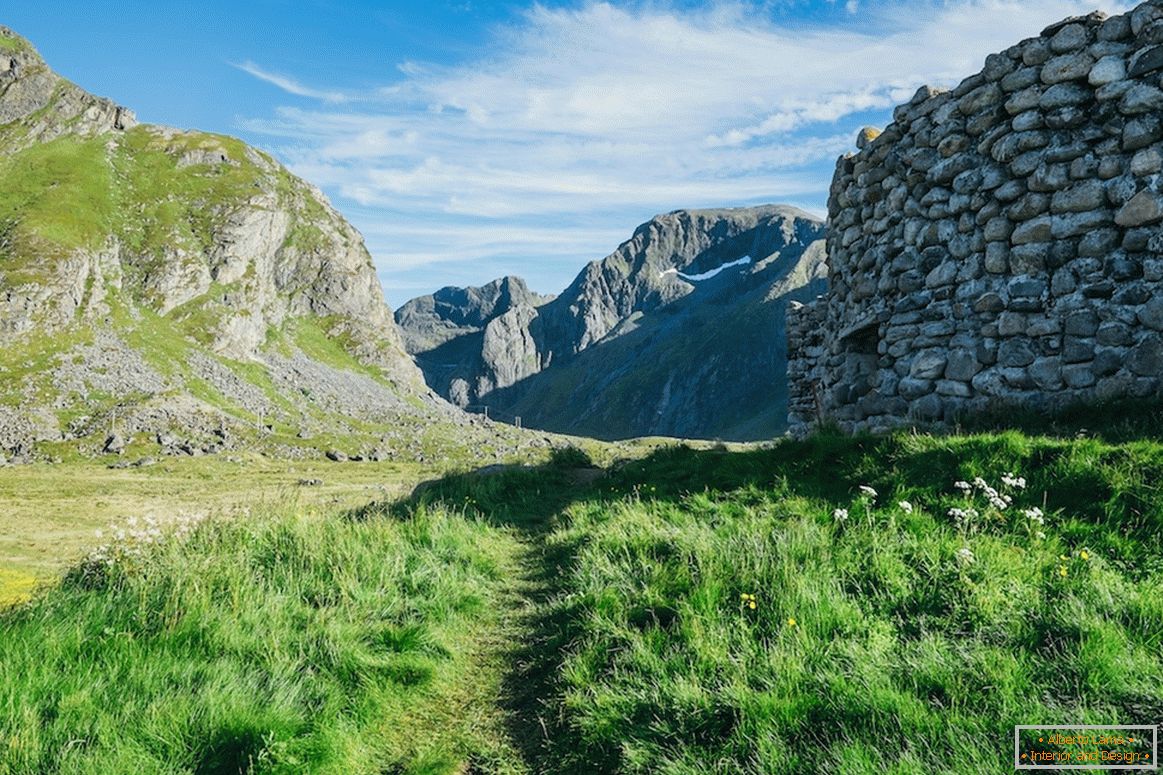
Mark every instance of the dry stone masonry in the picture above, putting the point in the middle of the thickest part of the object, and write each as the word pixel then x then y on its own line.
pixel 998 244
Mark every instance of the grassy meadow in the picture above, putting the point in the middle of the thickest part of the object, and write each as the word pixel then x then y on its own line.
pixel 855 605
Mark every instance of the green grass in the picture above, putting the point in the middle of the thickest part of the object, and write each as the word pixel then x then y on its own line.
pixel 600 622
pixel 38 179
pixel 288 644
pixel 902 657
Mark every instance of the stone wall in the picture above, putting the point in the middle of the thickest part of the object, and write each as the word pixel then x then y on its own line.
pixel 998 244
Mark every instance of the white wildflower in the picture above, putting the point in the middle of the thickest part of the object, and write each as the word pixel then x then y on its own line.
pixel 866 490
pixel 840 515
pixel 963 486
pixel 1034 515
pixel 965 556
pixel 1015 481
pixel 1040 535
pixel 906 507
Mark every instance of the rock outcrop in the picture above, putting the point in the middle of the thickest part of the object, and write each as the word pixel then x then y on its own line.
pixel 158 284
pixel 183 223
pixel 998 244
pixel 634 346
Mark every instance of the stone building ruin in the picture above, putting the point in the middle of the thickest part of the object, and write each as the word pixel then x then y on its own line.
pixel 998 244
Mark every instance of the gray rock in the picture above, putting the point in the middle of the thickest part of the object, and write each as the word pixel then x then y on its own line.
pixel 1078 375
pixel 1143 208
pixel 1151 314
pixel 1081 197
pixel 928 365
pixel 1015 352
pixel 1082 323
pixel 1107 70
pixel 1146 359
pixel 1068 67
pixel 962 366
pixel 1033 230
pixel 1141 98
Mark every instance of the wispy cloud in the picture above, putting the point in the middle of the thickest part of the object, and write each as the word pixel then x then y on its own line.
pixel 601 114
pixel 290 85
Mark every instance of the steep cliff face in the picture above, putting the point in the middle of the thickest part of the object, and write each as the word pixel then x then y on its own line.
pixel 183 223
pixel 175 279
pixel 615 355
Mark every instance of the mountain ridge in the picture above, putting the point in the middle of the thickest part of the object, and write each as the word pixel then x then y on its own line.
pixel 507 359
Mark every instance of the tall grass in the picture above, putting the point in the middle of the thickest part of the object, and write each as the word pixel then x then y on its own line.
pixel 728 619
pixel 833 605
pixel 283 643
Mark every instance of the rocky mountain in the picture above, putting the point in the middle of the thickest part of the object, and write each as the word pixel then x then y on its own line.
pixel 179 290
pixel 677 332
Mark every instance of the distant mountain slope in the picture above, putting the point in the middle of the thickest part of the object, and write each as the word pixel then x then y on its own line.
pixel 177 289
pixel 678 332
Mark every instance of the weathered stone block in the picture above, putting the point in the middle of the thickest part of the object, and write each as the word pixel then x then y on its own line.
pixel 1098 242
pixel 929 364
pixel 1047 373
pixel 1081 197
pixel 1016 352
pixel 1107 70
pixel 1146 359
pixel 1028 206
pixel 1141 98
pixel 1063 94
pixel 1020 79
pixel 1033 230
pixel 1077 350
pixel 1146 61
pixel 948 387
pixel 1115 28
pixel 980 98
pixel 1029 258
pixel 911 388
pixel 962 365
pixel 942 275
pixel 1082 323
pixel 1141 131
pixel 1078 375
pixel 1011 323
pixel 1148 161
pixel 1108 361
pixel 1063 282
pixel 1151 314
pixel 1067 67
pixel 1071 37
pixel 1115 335
pixel 1143 208
pixel 1068 225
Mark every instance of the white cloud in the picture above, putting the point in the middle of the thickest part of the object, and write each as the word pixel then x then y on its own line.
pixel 290 85
pixel 576 113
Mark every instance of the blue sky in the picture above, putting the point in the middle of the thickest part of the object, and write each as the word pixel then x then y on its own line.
pixel 469 140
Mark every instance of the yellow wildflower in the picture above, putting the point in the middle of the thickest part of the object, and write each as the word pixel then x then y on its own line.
pixel 1062 571
pixel 791 621
pixel 1084 554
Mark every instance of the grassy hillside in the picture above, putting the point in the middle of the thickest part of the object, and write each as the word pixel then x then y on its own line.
pixel 694 611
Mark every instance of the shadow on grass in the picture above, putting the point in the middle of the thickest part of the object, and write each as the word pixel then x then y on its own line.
pixel 1083 477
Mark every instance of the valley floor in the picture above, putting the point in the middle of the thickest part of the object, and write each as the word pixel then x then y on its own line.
pixel 890 605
